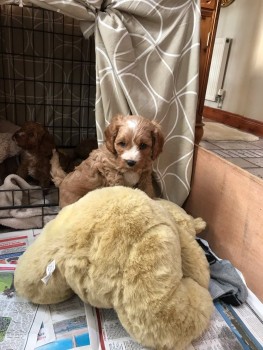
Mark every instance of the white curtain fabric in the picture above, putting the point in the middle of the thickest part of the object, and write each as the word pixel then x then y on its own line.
pixel 147 63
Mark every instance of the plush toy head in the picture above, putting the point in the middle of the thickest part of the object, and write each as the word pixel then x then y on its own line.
pixel 117 248
pixel 8 146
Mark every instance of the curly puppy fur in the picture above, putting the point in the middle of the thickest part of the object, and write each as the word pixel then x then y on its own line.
pixel 132 144
pixel 37 145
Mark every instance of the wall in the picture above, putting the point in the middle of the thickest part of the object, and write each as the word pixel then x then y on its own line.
pixel 243 22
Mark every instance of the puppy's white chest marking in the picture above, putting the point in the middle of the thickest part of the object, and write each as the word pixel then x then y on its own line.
pixel 32 159
pixel 131 178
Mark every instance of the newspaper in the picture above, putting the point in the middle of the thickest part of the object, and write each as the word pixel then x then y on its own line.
pixel 106 331
pixel 64 327
pixel 75 325
pixel 19 319
pixel 13 244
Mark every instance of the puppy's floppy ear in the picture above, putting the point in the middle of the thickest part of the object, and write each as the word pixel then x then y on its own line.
pixel 111 131
pixel 46 142
pixel 157 140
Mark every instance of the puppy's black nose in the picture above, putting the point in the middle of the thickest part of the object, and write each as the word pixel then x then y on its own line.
pixel 130 162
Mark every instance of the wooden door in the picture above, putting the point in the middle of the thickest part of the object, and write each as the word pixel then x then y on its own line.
pixel 209 18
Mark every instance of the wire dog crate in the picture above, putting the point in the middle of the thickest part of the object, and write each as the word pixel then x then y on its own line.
pixel 47 75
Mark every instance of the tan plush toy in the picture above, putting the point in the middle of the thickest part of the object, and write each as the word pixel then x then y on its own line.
pixel 117 248
pixel 8 146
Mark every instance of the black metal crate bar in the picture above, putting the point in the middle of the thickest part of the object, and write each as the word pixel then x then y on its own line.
pixel 47 73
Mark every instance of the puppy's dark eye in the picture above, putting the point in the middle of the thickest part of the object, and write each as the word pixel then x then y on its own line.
pixel 31 134
pixel 122 144
pixel 143 146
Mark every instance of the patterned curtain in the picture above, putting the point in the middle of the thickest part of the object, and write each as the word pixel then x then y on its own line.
pixel 147 61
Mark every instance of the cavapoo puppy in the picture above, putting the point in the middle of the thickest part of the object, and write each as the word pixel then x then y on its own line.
pixel 126 158
pixel 37 145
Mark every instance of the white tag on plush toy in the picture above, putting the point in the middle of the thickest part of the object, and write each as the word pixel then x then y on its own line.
pixel 49 270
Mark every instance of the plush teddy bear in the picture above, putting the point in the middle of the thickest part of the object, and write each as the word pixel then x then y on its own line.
pixel 8 146
pixel 117 248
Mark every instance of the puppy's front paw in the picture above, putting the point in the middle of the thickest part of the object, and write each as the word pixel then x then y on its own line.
pixel 55 158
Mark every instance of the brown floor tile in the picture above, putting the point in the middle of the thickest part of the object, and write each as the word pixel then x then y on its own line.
pixel 242 163
pixel 256 161
pixel 239 153
pixel 231 145
pixel 256 171
pixel 259 143
pixel 208 145
pixel 246 155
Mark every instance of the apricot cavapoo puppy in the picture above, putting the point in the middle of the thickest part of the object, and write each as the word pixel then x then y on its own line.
pixel 126 158
pixel 37 145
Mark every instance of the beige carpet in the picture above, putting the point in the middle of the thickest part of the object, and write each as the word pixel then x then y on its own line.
pixel 220 132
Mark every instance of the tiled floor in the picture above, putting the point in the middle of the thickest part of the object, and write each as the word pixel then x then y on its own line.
pixel 247 155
